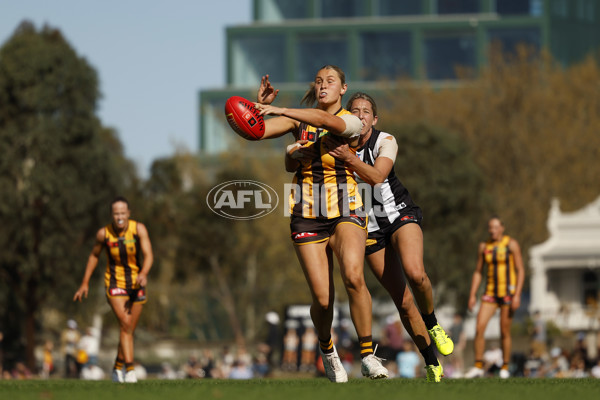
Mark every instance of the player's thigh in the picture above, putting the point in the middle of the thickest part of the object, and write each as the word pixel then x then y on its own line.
pixel 119 305
pixel 315 264
pixel 348 243
pixel 408 243
pixel 486 311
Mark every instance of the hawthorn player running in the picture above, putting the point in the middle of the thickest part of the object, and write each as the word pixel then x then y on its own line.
pixel 126 275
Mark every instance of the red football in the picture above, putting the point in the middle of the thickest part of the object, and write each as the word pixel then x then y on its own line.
pixel 244 118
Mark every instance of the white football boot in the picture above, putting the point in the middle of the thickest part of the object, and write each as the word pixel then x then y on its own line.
pixel 333 366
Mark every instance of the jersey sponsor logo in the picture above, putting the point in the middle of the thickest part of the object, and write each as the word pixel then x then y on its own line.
pixel 304 235
pixel 117 292
pixel 408 218
pixel 242 200
pixel 306 135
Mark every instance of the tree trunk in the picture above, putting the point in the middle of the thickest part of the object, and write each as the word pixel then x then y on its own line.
pixel 228 300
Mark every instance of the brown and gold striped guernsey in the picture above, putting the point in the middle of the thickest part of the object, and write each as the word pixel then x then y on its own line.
pixel 123 252
pixel 322 188
pixel 501 273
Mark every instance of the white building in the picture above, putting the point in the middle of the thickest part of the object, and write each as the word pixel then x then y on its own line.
pixel 565 280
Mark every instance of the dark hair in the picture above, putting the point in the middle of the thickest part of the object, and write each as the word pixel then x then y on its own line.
pixel 309 97
pixel 117 200
pixel 364 96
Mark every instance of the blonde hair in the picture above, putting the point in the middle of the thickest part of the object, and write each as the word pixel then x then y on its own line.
pixel 310 97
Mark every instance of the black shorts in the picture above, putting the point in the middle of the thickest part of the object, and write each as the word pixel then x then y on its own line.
pixel 309 230
pixel 134 295
pixel 378 239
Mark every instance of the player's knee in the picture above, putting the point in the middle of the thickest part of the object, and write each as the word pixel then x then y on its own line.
pixel 418 279
pixel 354 281
pixel 323 302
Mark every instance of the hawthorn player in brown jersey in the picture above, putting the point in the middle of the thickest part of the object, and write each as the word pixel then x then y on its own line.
pixel 505 276
pixel 130 258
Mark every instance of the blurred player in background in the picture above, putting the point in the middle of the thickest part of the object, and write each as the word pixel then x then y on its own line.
pixel 327 212
pixel 395 241
pixel 130 258
pixel 505 277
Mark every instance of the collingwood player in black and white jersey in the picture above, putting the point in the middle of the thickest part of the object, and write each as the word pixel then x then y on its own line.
pixel 395 239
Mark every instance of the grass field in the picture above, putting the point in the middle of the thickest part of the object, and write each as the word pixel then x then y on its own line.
pixel 311 389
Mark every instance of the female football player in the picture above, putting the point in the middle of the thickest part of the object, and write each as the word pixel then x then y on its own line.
pixel 327 215
pixel 505 277
pixel 125 241
pixel 395 240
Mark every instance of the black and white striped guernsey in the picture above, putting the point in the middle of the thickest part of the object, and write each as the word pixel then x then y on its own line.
pixel 389 199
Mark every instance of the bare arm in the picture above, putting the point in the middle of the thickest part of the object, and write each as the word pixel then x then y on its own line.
pixel 146 246
pixel 514 247
pixel 91 265
pixel 477 277
pixel 278 126
pixel 312 116
pixel 372 174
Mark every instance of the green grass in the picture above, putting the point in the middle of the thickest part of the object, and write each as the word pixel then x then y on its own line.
pixel 311 389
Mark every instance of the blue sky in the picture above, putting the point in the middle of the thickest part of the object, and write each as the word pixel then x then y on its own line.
pixel 152 57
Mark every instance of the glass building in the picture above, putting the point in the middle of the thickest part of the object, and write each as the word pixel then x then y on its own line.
pixel 375 40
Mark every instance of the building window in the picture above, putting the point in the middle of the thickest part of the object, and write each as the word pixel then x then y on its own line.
pixel 315 50
pixel 385 55
pixel 444 54
pixel 257 55
pixel 278 10
pixel 342 8
pixel 457 6
pixel 510 38
pixel 395 7
pixel 520 7
pixel 560 8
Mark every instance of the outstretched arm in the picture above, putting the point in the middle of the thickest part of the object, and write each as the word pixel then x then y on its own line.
pixel 346 126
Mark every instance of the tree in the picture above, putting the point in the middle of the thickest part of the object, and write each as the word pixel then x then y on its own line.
pixel 57 176
pixel 532 128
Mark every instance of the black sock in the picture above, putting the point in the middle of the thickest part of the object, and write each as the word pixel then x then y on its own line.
pixel 429 355
pixel 430 320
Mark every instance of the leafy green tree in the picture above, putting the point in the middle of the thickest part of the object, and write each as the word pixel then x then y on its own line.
pixel 532 128
pixel 57 176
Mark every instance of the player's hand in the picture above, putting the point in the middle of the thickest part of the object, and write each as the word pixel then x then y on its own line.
pixel 141 280
pixel 515 302
pixel 266 92
pixel 81 293
pixel 267 109
pixel 338 148
pixel 472 302
pixel 299 152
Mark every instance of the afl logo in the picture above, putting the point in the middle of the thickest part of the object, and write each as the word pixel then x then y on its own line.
pixel 242 199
